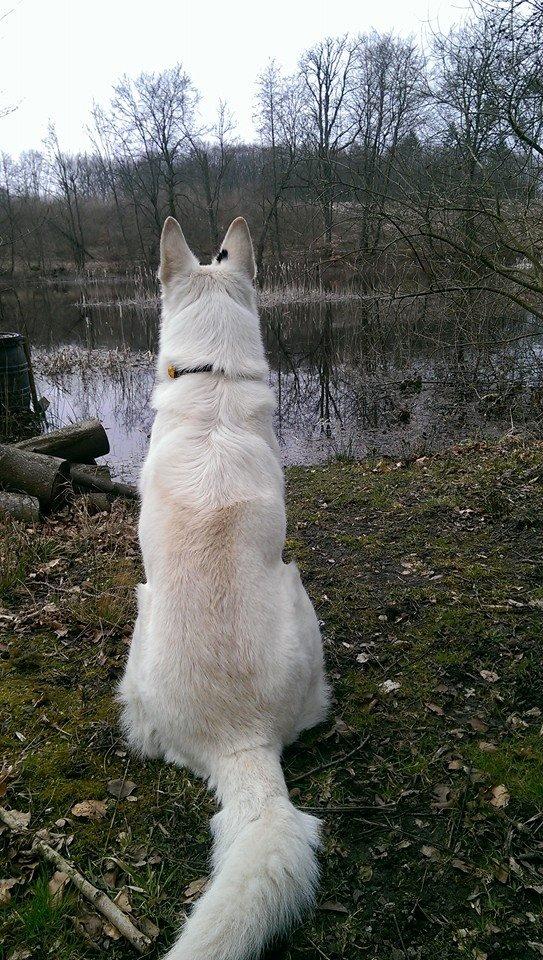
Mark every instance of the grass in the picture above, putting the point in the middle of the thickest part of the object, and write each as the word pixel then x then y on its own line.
pixel 44 916
pixel 428 576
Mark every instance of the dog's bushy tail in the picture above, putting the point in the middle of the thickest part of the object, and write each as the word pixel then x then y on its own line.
pixel 264 858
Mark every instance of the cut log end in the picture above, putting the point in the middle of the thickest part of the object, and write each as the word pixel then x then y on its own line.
pixel 46 478
pixel 19 506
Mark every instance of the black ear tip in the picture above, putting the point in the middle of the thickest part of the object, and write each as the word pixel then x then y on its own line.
pixel 222 255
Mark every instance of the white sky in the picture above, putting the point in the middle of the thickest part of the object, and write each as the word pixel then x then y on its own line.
pixel 57 56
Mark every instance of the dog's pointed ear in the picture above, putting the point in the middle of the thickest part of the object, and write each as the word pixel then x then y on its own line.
pixel 237 248
pixel 176 258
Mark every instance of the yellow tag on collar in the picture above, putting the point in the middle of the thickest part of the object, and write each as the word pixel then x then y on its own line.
pixel 171 372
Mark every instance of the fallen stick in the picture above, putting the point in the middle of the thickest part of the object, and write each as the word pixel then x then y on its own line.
pixel 355 808
pixel 326 766
pixel 99 900
pixel 92 478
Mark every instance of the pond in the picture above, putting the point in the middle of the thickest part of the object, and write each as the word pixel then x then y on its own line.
pixel 352 376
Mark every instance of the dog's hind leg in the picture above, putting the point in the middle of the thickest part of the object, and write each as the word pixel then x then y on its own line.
pixel 135 722
pixel 314 704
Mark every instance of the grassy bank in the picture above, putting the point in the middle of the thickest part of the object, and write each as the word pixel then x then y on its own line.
pixel 429 774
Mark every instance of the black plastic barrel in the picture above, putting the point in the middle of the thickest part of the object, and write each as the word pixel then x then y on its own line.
pixel 14 378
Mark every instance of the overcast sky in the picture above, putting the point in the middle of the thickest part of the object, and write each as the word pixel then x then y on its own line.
pixel 57 56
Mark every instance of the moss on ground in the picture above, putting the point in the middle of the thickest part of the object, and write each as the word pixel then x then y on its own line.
pixel 428 581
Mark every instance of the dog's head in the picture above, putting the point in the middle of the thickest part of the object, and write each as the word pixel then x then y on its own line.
pixel 209 313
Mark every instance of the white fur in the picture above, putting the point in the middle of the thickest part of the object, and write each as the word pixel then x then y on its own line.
pixel 225 665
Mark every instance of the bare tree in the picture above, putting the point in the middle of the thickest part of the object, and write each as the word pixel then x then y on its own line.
pixel 103 140
pixel 65 173
pixel 279 106
pixel 7 185
pixel 326 74
pixel 386 103
pixel 150 118
pixel 479 220
pixel 212 151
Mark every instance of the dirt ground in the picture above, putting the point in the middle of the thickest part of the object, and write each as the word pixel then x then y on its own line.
pixel 428 580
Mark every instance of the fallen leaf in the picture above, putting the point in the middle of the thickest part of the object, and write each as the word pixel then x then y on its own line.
pixel 442 794
pixel 434 708
pixel 431 852
pixel 388 686
pixel 196 888
pixel 460 865
pixel 331 906
pixel 487 746
pixel 149 928
pixel 5 888
pixel 363 658
pixel 123 901
pixel 92 924
pixel 489 675
pixel 57 883
pixel 110 878
pixel 90 809
pixel 19 819
pixel 478 725
pixel 365 873
pixel 111 931
pixel 500 796
pixel 121 788
pixel 50 608
pixel 341 728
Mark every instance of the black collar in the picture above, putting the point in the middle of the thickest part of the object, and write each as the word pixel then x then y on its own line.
pixel 174 372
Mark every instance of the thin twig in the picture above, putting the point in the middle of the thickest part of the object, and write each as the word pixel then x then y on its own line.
pixel 352 808
pixel 99 899
pixel 330 763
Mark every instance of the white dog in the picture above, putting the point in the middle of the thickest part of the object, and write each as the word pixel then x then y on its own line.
pixel 225 666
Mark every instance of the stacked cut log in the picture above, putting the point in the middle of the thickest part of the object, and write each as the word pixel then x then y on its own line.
pixel 42 473
pixel 79 443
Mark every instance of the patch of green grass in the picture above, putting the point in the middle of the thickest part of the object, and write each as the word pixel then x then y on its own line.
pixel 42 922
pixel 43 916
pixel 517 762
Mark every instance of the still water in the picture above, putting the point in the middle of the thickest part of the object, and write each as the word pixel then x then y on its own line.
pixel 351 377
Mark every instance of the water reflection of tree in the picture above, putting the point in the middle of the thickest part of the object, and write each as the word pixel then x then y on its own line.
pixel 387 378
pixel 326 358
pixel 305 369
